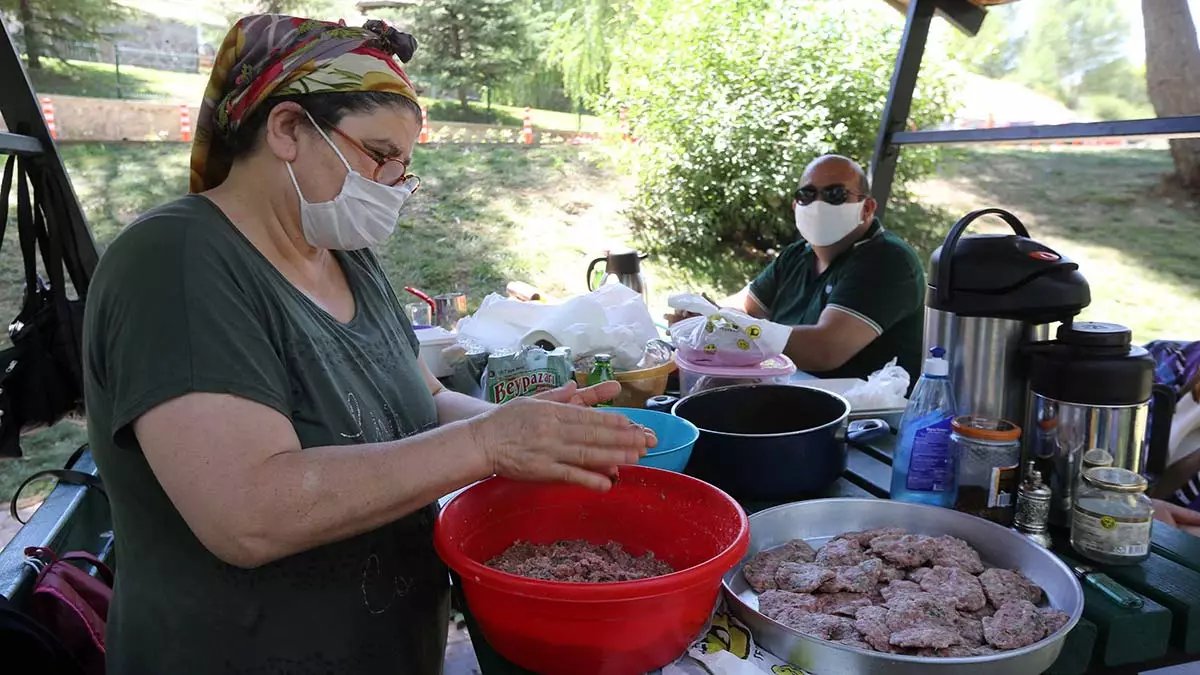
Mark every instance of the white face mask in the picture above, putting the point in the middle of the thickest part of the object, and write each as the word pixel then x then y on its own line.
pixel 824 224
pixel 362 215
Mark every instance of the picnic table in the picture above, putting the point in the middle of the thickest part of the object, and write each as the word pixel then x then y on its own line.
pixel 1108 640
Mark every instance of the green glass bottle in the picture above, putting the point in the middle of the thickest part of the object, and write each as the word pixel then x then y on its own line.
pixel 602 371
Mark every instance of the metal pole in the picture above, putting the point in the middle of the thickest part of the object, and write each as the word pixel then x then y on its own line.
pixel 899 100
pixel 579 122
pixel 117 61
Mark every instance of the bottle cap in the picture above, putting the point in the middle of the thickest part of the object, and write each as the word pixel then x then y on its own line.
pixel 603 358
pixel 936 365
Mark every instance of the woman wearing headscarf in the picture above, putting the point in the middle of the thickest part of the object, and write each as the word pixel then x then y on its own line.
pixel 271 444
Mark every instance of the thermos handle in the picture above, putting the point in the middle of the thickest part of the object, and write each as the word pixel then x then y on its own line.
pixel 592 268
pixel 1162 410
pixel 945 261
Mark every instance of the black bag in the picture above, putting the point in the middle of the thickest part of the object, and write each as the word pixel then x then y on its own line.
pixel 41 374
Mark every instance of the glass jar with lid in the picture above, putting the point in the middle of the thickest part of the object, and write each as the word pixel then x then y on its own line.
pixel 989 462
pixel 1112 517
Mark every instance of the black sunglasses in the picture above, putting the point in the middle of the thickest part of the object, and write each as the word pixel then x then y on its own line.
pixel 830 194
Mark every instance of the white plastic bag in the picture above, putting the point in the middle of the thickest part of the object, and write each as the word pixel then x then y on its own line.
pixel 724 337
pixel 886 388
pixel 613 319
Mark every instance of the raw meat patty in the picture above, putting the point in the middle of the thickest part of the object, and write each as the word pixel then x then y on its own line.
pixel 950 551
pixel 578 561
pixel 956 584
pixel 1003 586
pixel 925 636
pixel 776 603
pixel 872 623
pixel 1017 624
pixel 906 550
pixel 890 572
pixel 896 588
pixel 971 630
pixel 860 578
pixel 841 603
pixel 760 570
pixel 920 609
pixel 864 537
pixel 841 553
pixel 1054 619
pixel 802 577
pixel 822 626
pixel 918 574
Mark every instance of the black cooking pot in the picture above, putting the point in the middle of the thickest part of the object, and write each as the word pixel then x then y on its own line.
pixel 771 442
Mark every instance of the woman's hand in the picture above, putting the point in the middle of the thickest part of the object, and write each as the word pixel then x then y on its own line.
pixel 586 397
pixel 1177 516
pixel 538 440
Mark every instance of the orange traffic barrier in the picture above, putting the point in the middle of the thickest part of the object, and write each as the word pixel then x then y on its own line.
pixel 527 132
pixel 48 113
pixel 425 132
pixel 185 124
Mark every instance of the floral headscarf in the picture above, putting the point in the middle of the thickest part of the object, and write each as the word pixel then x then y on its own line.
pixel 271 55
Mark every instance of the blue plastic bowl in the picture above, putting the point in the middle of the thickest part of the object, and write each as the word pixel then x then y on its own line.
pixel 676 436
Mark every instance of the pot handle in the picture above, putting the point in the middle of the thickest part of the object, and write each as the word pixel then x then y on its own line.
pixel 864 430
pixel 661 403
pixel 428 300
pixel 1162 410
pixel 946 258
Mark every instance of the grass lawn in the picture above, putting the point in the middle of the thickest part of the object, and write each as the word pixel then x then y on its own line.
pixel 99 80
pixel 490 214
pixel 1136 243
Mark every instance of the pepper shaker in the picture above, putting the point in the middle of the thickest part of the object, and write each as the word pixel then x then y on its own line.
pixel 1033 507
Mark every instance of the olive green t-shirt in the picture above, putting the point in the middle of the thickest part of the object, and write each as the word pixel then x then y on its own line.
pixel 182 302
pixel 880 280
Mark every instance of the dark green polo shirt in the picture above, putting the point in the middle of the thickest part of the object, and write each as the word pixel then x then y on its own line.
pixel 879 280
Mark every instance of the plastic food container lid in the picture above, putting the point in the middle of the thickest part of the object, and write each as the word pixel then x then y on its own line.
pixel 435 335
pixel 779 366
pixel 986 428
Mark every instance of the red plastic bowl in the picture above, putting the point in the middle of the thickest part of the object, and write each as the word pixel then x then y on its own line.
pixel 620 628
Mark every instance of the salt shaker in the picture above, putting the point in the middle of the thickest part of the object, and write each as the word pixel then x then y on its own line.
pixel 1033 507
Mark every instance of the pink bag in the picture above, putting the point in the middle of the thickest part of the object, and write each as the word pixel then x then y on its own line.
pixel 72 604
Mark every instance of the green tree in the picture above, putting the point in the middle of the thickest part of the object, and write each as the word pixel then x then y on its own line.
pixel 728 123
pixel 469 44
pixel 49 27
pixel 1068 43
pixel 995 50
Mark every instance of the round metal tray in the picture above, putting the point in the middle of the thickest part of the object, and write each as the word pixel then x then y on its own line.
pixel 820 520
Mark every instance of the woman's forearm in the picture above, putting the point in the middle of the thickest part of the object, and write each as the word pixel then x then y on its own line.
pixel 454 407
pixel 321 495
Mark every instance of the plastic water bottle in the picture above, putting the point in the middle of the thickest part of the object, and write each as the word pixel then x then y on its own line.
pixel 924 468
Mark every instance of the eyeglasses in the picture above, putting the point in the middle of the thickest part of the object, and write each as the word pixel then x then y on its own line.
pixel 830 194
pixel 389 171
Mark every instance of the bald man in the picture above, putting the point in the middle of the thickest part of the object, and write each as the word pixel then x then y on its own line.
pixel 853 291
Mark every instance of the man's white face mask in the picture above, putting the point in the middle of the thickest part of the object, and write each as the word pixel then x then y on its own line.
pixel 825 224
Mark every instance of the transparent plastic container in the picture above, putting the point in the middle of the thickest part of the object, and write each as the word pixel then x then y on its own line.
pixel 694 378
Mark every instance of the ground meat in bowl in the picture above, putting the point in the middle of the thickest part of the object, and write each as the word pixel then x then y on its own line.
pixel 578 561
